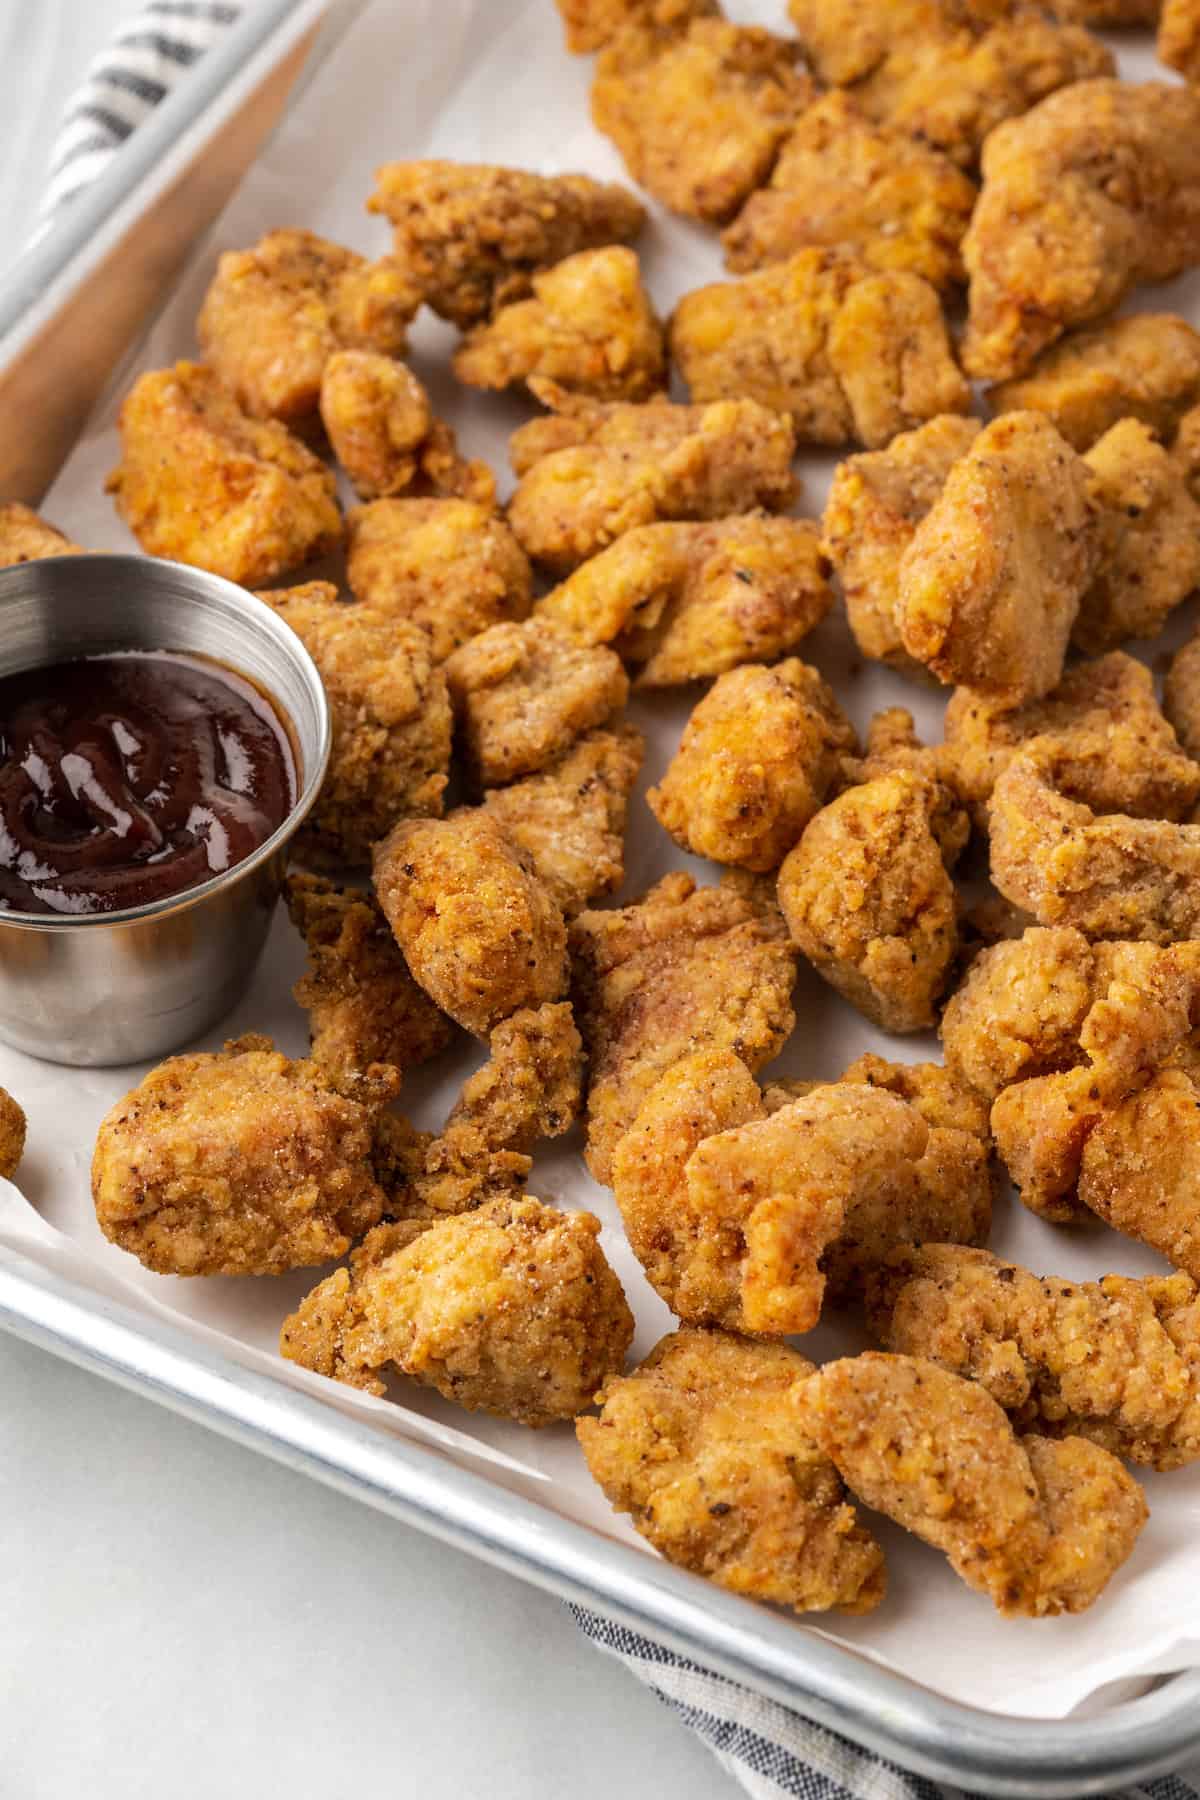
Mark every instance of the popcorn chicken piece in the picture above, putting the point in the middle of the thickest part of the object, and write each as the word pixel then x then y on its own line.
pixel 511 1310
pixel 590 24
pixel 570 818
pixel 868 899
pixel 683 969
pixel 698 112
pixel 1140 1163
pixel 843 180
pixel 757 760
pixel 201 482
pixel 1181 696
pixel 1019 1011
pixel 1144 367
pixel 524 693
pixel 875 504
pixel 689 600
pixel 391 719
pixel 274 315
pixel 472 237
pixel 1179 38
pixel 1038 1525
pixel 238 1163
pixel 1059 237
pixel 700 1446
pixel 1116 1361
pixel 382 430
pixel 450 566
pixel 1148 539
pixel 848 353
pixel 589 326
pixel 24 537
pixel 479 931
pixel 12 1135
pixel 991 582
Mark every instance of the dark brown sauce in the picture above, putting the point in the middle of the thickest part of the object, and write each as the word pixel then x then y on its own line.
pixel 128 779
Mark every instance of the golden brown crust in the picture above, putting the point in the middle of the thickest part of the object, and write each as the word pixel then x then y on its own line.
pixel 1145 367
pixel 1181 695
pixel 25 537
pixel 12 1135
pixel 1019 1011
pixel 1148 539
pixel 382 430
pixel 1179 38
pixel 590 24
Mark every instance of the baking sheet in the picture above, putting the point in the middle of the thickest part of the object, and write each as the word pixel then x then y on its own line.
pixel 489 80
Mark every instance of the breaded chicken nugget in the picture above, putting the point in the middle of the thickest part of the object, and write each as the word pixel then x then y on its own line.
pixel 238 1163
pixel 1144 367
pixel 450 566
pixel 589 24
pixel 1040 1526
pixel 990 585
pixel 589 326
pixel 511 1310
pixel 1019 1011
pixel 382 430
pixel 1181 696
pixel 878 192
pixel 274 315
pixel 1060 235
pixel 523 693
pixel 700 1446
pixel 756 762
pixel 12 1134
pixel 479 931
pixel 24 537
pixel 1148 539
pixel 849 354
pixel 591 472
pixel 201 482
pixel 1179 38
pixel 683 969
pixel 392 722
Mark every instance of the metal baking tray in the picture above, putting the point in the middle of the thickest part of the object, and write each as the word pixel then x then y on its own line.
pixel 70 310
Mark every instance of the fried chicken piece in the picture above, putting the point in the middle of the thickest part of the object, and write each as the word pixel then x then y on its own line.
pixel 201 482
pixel 1148 539
pixel 698 112
pixel 274 315
pixel 1179 38
pixel 450 566
pixel 382 430
pixel 757 760
pixel 689 600
pixel 511 1310
pixel 1019 1011
pixel 391 716
pixel 699 1445
pixel 570 818
pixel 1116 1361
pixel 238 1163
pixel 843 180
pixel 683 969
pixel 589 326
pixel 868 898
pixel 1144 367
pixel 850 354
pixel 1060 233
pixel 875 504
pixel 524 693
pixel 592 472
pixel 590 24
pixel 479 931
pixel 471 237
pixel 12 1134
pixel 25 537
pixel 1038 1525
pixel 990 585
pixel 1181 696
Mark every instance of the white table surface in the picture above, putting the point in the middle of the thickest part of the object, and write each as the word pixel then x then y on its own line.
pixel 182 1619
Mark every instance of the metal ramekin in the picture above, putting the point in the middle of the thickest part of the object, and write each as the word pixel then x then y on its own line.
pixel 120 987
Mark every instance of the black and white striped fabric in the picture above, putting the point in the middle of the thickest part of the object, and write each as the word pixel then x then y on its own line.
pixel 773 1753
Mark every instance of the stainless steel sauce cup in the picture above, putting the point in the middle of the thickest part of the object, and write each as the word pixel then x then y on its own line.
pixel 104 988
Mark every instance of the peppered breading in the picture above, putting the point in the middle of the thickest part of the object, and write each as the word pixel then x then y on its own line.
pixel 450 566
pixel 12 1134
pixel 1181 696
pixel 991 582
pixel 238 1163
pixel 382 430
pixel 875 504
pixel 688 600
pixel 850 354
pixel 842 179
pixel 201 482
pixel 274 315
pixel 1060 235
pixel 1144 367
pixel 1179 38
pixel 391 718
pixel 1039 1525
pixel 1148 539
pixel 590 472
pixel 756 761
pixel 26 537
pixel 698 112
pixel 511 1310
pixel 683 969
pixel 589 24
pixel 523 694
pixel 479 931
pixel 700 1446
pixel 1019 1011
pixel 471 237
